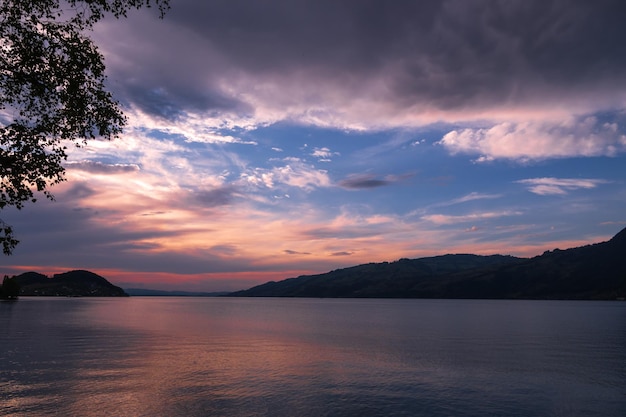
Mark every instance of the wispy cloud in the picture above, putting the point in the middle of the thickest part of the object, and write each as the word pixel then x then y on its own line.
pixel 472 197
pixel 96 167
pixel 464 218
pixel 559 186
pixel 212 137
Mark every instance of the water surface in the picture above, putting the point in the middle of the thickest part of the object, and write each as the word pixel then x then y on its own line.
pixel 152 356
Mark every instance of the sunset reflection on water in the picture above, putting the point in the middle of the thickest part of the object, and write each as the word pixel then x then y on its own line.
pixel 248 357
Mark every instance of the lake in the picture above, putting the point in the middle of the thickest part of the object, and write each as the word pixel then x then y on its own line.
pixel 170 356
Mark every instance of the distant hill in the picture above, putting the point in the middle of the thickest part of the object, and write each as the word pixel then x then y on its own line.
pixel 595 271
pixel 69 284
pixel 142 292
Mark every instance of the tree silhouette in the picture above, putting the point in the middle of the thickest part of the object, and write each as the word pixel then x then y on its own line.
pixel 52 92
pixel 10 288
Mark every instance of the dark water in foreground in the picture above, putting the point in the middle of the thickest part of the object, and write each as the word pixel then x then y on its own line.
pixel 310 357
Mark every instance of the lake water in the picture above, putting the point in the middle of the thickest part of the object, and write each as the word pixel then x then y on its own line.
pixel 144 356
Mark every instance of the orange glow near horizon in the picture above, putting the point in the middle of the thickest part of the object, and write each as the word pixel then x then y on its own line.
pixel 233 281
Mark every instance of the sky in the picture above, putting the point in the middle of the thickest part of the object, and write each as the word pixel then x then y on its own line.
pixel 274 138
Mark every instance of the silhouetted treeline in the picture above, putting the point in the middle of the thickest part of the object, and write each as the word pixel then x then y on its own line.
pixel 10 288
pixel 68 284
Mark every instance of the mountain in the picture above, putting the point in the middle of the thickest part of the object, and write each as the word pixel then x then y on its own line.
pixel 71 284
pixel 595 271
pixel 387 279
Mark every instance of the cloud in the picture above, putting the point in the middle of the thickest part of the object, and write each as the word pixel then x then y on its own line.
pixel 211 137
pixel 443 219
pixel 259 177
pixel 587 136
pixel 295 174
pixel 471 197
pixel 221 196
pixel 78 191
pixel 293 252
pixel 171 104
pixel 559 186
pixel 154 213
pixel 96 167
pixel 323 154
pixel 227 250
pixel 352 230
pixel 178 193
pixel 370 65
pixel 301 176
pixel 365 181
pixel 356 182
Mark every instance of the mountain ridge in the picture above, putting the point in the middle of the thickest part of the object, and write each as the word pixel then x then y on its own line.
pixel 595 271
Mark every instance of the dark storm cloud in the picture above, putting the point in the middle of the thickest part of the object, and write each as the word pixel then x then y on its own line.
pixel 449 54
pixel 271 34
pixel 174 101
